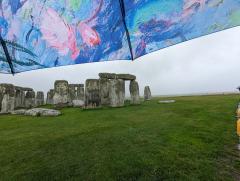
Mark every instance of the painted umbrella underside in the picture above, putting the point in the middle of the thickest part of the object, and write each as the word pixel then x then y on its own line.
pixel 50 33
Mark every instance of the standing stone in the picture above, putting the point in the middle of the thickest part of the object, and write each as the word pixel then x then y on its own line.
pixel 79 101
pixel 50 95
pixel 8 98
pixel 61 93
pixel 30 99
pixel 117 93
pixel 77 94
pixel 80 92
pixel 19 97
pixel 147 93
pixel 92 93
pixel 72 91
pixel 134 91
pixel 104 91
pixel 40 98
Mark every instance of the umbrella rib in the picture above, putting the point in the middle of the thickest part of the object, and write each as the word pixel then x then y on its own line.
pixel 122 6
pixel 5 49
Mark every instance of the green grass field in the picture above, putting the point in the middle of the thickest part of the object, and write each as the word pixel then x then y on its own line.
pixel 192 139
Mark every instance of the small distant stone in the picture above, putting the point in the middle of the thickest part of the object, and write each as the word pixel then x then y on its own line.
pixel 166 101
pixel 42 112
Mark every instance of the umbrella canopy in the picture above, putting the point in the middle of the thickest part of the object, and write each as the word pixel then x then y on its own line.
pixel 39 34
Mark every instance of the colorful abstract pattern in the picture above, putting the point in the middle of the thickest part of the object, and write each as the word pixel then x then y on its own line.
pixel 51 33
pixel 156 24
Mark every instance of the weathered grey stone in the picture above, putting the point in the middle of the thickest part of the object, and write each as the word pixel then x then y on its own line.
pixel 117 76
pixel 77 94
pixel 134 92
pixel 19 97
pixel 61 93
pixel 42 112
pixel 19 112
pixel 30 99
pixel 104 91
pixel 50 95
pixel 80 92
pixel 117 93
pixel 126 76
pixel 8 98
pixel 107 75
pixel 26 89
pixel 72 91
pixel 39 98
pixel 147 93
pixel 78 103
pixel 92 93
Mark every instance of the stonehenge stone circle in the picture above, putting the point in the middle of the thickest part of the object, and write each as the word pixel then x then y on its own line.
pixel 61 93
pixel 134 92
pixel 92 93
pixel 147 93
pixel 107 90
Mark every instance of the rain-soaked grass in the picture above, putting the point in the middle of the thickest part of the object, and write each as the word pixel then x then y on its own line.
pixel 192 139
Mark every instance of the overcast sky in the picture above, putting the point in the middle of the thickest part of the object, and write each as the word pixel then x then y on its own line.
pixel 203 65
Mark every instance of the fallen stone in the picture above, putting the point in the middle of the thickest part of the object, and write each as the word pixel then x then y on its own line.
pixel 42 112
pixel 19 112
pixel 78 103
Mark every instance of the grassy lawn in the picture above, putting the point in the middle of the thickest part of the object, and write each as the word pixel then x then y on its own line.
pixel 192 139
